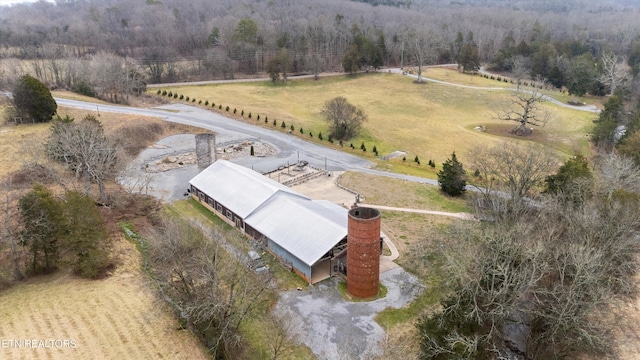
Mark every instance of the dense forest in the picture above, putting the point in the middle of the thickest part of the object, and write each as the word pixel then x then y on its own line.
pixel 68 42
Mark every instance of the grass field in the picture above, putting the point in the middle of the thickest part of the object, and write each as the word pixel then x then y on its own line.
pixel 118 317
pixel 23 143
pixel 115 318
pixel 430 120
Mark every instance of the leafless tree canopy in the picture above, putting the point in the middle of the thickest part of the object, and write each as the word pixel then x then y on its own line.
pixel 615 71
pixel 344 118
pixel 83 147
pixel 544 284
pixel 211 292
pixel 524 107
pixel 169 39
pixel 511 169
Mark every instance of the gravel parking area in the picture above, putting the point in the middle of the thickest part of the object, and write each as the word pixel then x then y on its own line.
pixel 338 329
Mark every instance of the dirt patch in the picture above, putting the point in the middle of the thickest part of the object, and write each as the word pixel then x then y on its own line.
pixel 324 188
pixel 226 152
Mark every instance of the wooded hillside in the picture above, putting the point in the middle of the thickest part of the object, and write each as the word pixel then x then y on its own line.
pixel 172 40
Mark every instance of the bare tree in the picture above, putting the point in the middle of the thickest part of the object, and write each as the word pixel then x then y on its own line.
pixel 424 47
pixel 618 172
pixel 317 36
pixel 116 79
pixel 520 69
pixel 84 148
pixel 525 108
pixel 281 326
pixel 211 291
pixel 9 215
pixel 344 118
pixel 511 169
pixel 615 71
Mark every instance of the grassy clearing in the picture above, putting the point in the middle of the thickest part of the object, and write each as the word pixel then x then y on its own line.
pixel 430 120
pixel 401 193
pixel 454 76
pixel 75 96
pixel 117 317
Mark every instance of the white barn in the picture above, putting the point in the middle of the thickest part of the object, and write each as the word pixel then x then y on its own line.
pixel 305 234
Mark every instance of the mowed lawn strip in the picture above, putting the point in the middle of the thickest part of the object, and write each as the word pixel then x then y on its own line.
pixel 430 120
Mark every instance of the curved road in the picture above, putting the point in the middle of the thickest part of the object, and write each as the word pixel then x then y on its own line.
pixel 289 147
pixel 588 108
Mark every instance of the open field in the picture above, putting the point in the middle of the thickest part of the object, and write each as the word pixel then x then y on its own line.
pixel 380 190
pixel 429 120
pixel 23 143
pixel 115 318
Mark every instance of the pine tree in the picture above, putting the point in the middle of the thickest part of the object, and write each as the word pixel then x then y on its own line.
pixel 452 177
pixel 43 228
pixel 33 99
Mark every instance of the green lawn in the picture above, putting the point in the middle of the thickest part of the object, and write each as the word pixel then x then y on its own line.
pixel 429 120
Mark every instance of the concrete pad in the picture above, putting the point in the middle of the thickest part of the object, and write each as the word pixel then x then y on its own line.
pixel 324 188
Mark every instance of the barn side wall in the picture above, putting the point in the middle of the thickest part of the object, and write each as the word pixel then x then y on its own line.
pixel 300 268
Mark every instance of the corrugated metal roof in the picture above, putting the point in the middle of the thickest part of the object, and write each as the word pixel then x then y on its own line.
pixel 305 228
pixel 238 188
pixel 333 212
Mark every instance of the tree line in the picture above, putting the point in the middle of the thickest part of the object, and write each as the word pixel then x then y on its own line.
pixel 165 41
pixel 554 258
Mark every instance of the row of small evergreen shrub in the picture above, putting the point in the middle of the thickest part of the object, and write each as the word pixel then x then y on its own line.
pixel 283 125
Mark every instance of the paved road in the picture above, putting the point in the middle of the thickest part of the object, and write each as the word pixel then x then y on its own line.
pixel 289 147
pixel 588 108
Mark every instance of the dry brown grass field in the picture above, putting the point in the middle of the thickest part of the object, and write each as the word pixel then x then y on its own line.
pixel 430 120
pixel 23 143
pixel 115 318
pixel 118 317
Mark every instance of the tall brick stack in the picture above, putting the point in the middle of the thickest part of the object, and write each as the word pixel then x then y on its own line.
pixel 363 252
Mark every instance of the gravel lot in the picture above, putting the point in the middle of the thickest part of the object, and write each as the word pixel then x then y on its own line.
pixel 338 329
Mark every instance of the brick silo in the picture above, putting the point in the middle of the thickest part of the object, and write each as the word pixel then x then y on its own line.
pixel 363 252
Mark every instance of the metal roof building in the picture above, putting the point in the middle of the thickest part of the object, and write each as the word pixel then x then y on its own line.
pixel 305 234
